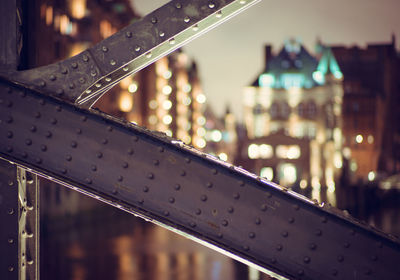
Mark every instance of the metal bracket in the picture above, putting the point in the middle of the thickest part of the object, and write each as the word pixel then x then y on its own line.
pixel 28 253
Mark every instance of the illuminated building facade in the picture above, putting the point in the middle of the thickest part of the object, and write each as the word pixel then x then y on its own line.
pixel 221 135
pixel 166 97
pixel 292 114
pixel 370 109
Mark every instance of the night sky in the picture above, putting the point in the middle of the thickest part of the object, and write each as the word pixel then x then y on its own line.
pixel 232 55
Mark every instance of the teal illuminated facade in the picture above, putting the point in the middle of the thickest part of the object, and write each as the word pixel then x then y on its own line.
pixel 292 114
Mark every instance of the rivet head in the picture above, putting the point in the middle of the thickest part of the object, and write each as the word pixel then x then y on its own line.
pixel 104 141
pixel 324 220
pixel 43 148
pixel 37 115
pixel 178 5
pixel 230 210
pixel 128 34
pixel 93 73
pixel 318 232
pixel 161 34
pixel 198 211
pixel 64 71
pixel 145 189
pixel 42 84
pixel 150 176
pixel 120 178
pixel 160 149
pixel 346 245
pixel 340 258
pixel 177 187
pixel 10 268
pixel 60 91
pixel 99 155
pixel 312 246
pixel 10 211
pixel 264 207
pixel 187 160
pixel 113 62
pixel 88 181
pixel 183 173
pixel 125 165
pixel 137 48
pixel 53 120
pixel 285 234
pixel 241 183
pixel 186 19
pixel 74 65
pixel 85 58
pixel 166 213
pixel 211 5
pixel 153 20
pixel 306 259
pixel 291 220
pixel 10 240
pixel 48 134
pixel 334 272
pixel 300 272
pixel 52 77
pixel 156 162
pixel 74 144
pixel 279 247
pixel 252 235
pixel 9 149
pixel 257 221
pixel 78 131
pixel 192 224
pixel 246 248
pixel 93 168
pixel 71 85
pixel 68 157
pixel 209 185
pixel 28 142
pixel 171 200
pixel 224 223
pixel 296 207
pixel 236 196
pixel 9 134
pixel 104 49
pixel 214 171
pixel 203 197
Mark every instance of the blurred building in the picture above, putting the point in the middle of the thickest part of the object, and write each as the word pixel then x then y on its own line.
pixel 292 114
pixel 221 135
pixel 370 108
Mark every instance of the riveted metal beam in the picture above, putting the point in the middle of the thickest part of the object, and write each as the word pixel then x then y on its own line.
pixel 194 194
pixel 8 221
pixel 82 79
pixel 28 253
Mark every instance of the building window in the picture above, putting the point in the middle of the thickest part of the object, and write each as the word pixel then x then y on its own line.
pixel 253 151
pixel 311 109
pixel 274 110
pixel 267 172
pixel 288 151
pixel 287 174
pixel 301 109
pixel 285 110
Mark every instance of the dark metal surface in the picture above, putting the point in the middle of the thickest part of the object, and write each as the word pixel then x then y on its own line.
pixel 8 221
pixel 162 180
pixel 82 79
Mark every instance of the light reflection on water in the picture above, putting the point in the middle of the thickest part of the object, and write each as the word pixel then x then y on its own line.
pixel 128 248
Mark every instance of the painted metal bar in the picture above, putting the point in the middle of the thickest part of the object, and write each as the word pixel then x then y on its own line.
pixel 194 194
pixel 82 79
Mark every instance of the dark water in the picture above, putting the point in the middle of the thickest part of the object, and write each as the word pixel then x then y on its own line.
pixel 102 242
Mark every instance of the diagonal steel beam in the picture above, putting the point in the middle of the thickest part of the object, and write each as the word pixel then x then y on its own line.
pixel 194 194
pixel 82 79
